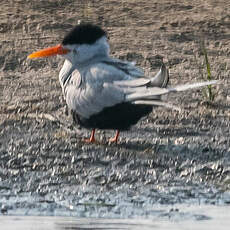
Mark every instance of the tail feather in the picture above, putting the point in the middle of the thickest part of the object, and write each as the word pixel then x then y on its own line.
pixel 157 103
pixel 194 85
pixel 147 93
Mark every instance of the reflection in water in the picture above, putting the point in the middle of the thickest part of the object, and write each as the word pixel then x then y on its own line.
pixel 192 217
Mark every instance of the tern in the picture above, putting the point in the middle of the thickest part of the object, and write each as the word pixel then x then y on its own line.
pixel 103 92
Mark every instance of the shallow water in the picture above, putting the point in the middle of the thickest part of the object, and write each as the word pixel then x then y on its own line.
pixel 165 217
pixel 123 210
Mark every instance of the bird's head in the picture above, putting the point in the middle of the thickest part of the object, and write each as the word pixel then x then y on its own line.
pixel 81 44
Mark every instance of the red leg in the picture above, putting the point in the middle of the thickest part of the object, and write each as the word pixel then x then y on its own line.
pixel 91 139
pixel 115 138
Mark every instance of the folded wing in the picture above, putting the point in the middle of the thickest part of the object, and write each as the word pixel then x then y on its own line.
pixel 97 90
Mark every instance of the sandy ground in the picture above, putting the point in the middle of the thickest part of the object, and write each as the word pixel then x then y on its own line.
pixel 41 153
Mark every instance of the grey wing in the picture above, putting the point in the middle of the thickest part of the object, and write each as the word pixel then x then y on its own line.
pixel 91 96
pixel 97 89
pixel 138 91
pixel 160 79
pixel 102 86
pixel 128 68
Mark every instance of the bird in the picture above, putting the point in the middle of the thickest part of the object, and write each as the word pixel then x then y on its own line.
pixel 103 92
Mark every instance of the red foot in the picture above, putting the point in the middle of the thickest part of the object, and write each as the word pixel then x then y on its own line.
pixel 115 138
pixel 91 139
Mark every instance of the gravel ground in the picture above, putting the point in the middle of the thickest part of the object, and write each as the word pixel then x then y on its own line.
pixel 169 157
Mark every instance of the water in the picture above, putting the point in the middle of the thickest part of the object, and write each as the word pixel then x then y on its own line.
pixel 164 217
pixel 161 207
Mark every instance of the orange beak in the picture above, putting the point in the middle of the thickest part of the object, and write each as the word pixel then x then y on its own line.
pixel 59 49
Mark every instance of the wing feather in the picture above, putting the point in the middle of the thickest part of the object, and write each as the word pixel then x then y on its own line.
pixel 146 93
pixel 157 103
pixel 128 68
pixel 100 86
pixel 132 83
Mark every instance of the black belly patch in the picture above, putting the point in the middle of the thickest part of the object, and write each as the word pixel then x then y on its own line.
pixel 120 116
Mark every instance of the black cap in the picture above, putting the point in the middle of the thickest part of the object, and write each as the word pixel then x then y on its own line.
pixel 83 34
